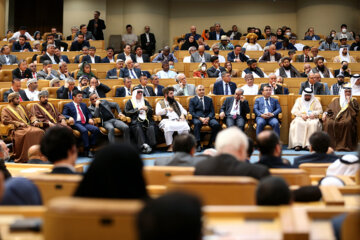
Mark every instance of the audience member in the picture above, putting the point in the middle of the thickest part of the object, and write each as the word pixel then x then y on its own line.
pixel 35 156
pixel 329 45
pixel 200 55
pixel 96 26
pixel 157 87
pixel 88 36
pixel 139 56
pixel 316 87
pixel 165 55
pixel 85 70
pixel 287 70
pixel 225 86
pixel 307 69
pixel 355 46
pixel 115 72
pixel 16 87
pixel 217 33
pixel 79 43
pixel 66 91
pixel 22 31
pixel 250 88
pixel 321 68
pixel 96 87
pixel 335 88
pixel 344 55
pixel 345 32
pixel 276 89
pixel 273 191
pixel 192 50
pixel 225 44
pixel 22 71
pixel 125 90
pixel 310 35
pixel 183 88
pixel 200 71
pixel 253 69
pixel 148 41
pixel 109 56
pixel 251 44
pixel 91 58
pixel 271 55
pixel 129 38
pixel 31 90
pixel 190 42
pixel 215 48
pixel 216 70
pixel 347 165
pixel 6 58
pixel 21 45
pixel 47 73
pixel 4 157
pixel 166 72
pixel 148 91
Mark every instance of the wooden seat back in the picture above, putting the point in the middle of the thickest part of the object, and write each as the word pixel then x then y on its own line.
pixel 292 176
pixel 160 175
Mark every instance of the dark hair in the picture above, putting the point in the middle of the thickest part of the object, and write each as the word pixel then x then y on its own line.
pixel 175 216
pixel 268 144
pixel 50 35
pixel 250 149
pixel 343 25
pixel 15 80
pixel 320 142
pixel 22 28
pixel 306 48
pixel 98 12
pixel 92 48
pixel 3 47
pixel 316 60
pixel 127 45
pixel 108 48
pixel 180 39
pixel 56 143
pixel 214 58
pixel 273 191
pixel 81 35
pixel 184 143
pixel 82 25
pixel 166 90
pixel 136 47
pixel 273 35
pixel 129 25
pixel 237 46
pixel 123 180
pixel 307 194
pixel 76 92
pixel 23 36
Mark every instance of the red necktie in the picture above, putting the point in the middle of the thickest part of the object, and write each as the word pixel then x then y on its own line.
pixel 20 98
pixel 34 74
pixel 81 115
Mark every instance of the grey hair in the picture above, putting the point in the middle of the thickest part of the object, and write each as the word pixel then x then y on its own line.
pixel 74 27
pixel 166 48
pixel 270 74
pixel 60 64
pixel 50 45
pixel 248 75
pixel 198 86
pixel 126 62
pixel 240 89
pixel 231 137
pixel 179 75
pixel 224 73
pixel 46 62
pixel 69 80
pixel 153 76
pixel 192 48
pixel 93 93
pixel 126 78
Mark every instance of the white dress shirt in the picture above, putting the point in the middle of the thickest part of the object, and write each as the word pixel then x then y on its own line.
pixel 235 110
pixel 253 90
pixel 52 58
pixel 228 87
pixel 187 59
pixel 288 73
pixel 32 96
pixel 17 35
pixel 139 59
pixel 92 59
pixel 168 74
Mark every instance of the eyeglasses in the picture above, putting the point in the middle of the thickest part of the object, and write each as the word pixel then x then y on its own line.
pixel 139 92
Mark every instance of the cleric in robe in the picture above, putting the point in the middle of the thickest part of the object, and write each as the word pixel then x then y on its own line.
pixel 306 109
pixel 340 121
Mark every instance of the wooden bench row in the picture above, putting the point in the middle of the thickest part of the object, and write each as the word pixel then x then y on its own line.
pixel 99 44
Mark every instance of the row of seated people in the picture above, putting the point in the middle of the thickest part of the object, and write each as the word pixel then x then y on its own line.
pixel 342 112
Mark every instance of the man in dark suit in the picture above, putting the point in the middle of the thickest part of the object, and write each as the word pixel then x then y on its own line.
pixel 50 39
pixel 124 91
pixel 270 150
pixel 216 35
pixel 126 54
pixel 276 89
pixel 6 58
pixel 148 91
pixel 267 110
pixel 109 55
pixel 216 70
pixel 85 52
pixel 115 72
pixel 157 88
pixel 96 87
pixel 79 43
pixel 270 55
pixel 22 71
pixel 91 58
pixel 200 55
pixel 253 69
pixel 344 70
pixel 304 57
pixel 139 57
pixel 202 110
pixel 237 55
pixel 224 87
pixel 148 41
pixel 231 145
pixel 50 55
pixel 81 119
pixel 16 87
pixel 21 45
pixel 129 70
pixel 234 34
pixel 59 147
pixel 62 58
pixel 319 147
pixel 192 33
pixel 317 87
pixel 234 109
pixel 96 26
pixel 66 91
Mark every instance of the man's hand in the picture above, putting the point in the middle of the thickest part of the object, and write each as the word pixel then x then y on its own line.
pixel 37 124
pixel 63 122
pixel 26 50
pixel 71 121
pixel 242 98
pixel 304 116
pixel 182 117
pixel 23 125
pixel 97 103
pixel 222 115
pixel 169 109
pixel 120 115
pixel 202 120
pixel 264 115
pixel 91 121
pixel 312 116
pixel 324 117
pixel 66 85
pixel 347 98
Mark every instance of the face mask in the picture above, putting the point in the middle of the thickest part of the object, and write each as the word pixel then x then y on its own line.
pixel 288 33
pixel 344 30
pixel 171 67
pixel 333 35
pixel 344 67
pixel 203 69
pixel 340 82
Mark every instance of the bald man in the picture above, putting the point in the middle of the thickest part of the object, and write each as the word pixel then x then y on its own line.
pixel 35 156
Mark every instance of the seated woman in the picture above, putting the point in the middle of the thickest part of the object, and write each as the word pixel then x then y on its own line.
pixel 251 44
pixel 37 36
pixel 188 43
pixel 201 71
pixel 116 172
pixel 228 67
pixel 85 70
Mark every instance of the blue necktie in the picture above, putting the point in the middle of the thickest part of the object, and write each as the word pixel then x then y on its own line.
pixel 268 105
pixel 132 74
pixel 226 89
pixel 70 95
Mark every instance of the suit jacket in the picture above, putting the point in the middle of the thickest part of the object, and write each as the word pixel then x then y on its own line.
pixel 213 34
pixel 124 72
pixel 62 93
pixel 146 73
pixel 122 56
pixel 76 46
pixel 16 73
pixel 178 159
pixel 144 57
pixel 98 32
pixel 21 92
pixel 42 75
pixel 17 47
pixel 144 41
pixel 46 57
pixel 231 57
pixel 278 91
pixel 301 58
pixel 195 57
pixel 95 112
pixel 237 35
pixel 62 170
pixel 219 88
pixel 64 58
pixel 227 106
pixel 266 57
pixel 196 108
pixel 58 44
pixel 315 158
pixel 179 91
pixel 259 106
pixel 337 72
pixel 106 60
pixel 227 165
pixel 87 59
pixel 318 88
pixel 12 58
pixel 213 72
pixel 159 90
pixel 102 89
pixel 273 162
pixel 70 111
pixel 112 74
pixel 120 92
pixel 150 90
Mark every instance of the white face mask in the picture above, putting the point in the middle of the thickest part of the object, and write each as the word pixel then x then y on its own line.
pixel 288 33
pixel 333 35
pixel 344 30
pixel 203 69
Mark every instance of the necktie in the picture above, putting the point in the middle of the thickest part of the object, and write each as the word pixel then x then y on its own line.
pixel 268 105
pixel 132 74
pixel 236 109
pixel 147 94
pixel 202 103
pixel 34 75
pixel 128 92
pixel 82 117
pixel 70 95
pixel 226 89
pixel 7 59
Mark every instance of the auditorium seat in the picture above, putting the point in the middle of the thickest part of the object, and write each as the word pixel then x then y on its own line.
pixel 51 90
pixel 315 168
pixel 223 123
pixel 6 130
pixel 160 175
pixel 216 190
pixel 350 227
pixel 91 219
pixel 6 75
pixel 292 176
pixel 267 127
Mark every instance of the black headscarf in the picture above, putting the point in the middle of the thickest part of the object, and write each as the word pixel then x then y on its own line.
pixel 187 44
pixel 116 172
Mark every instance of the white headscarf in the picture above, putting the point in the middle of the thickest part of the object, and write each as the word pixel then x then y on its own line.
pixel 342 57
pixel 343 101
pixel 355 88
pixel 307 104
pixel 347 165
pixel 138 103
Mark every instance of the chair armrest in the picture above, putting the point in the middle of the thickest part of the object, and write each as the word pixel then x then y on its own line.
pixel 5 129
pixel 189 116
pixel 248 116
pixel 68 122
pixel 217 116
pixel 123 118
pixel 97 120
pixel 253 116
pixel 128 119
pixel 280 116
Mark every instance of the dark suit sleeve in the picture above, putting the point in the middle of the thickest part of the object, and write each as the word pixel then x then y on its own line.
pixel 15 74
pixel 277 108
pixel 120 92
pixel 115 105
pixel 212 111
pixel 6 94
pixel 260 89
pixel 63 94
pixel 256 108
pixel 151 91
pixel 246 107
pixel 104 88
pixel 66 111
pixel 322 89
pixel 279 90
pixel 122 73
pixel 192 108
pixel 230 57
pixel 223 107
pixel 302 86
pixel 215 90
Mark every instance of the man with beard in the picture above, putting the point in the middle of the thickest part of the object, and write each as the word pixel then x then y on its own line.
pixel 4 156
pixel 306 109
pixel 31 90
pixel 173 116
pixel 26 125
pixel 276 89
pixel 335 88
pixel 287 70
pixel 320 68
pixel 316 87
pixel 340 121
pixel 344 70
pixel 46 113
pixel 237 55
pixel 253 69
pixel 216 49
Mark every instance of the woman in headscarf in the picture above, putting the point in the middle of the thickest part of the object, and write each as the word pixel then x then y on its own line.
pixel 280 34
pixel 205 34
pixel 116 172
pixel 228 67
pixel 201 71
pixel 142 124
pixel 85 70
pixel 344 55
pixel 189 43
pixel 20 191
pixel 355 84
pixel 37 36
pixel 251 44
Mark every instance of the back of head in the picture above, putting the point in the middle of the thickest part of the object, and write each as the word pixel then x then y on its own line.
pixel 273 191
pixel 116 172
pixel 319 142
pixel 184 143
pixel 175 216
pixel 307 194
pixel 20 191
pixel 267 142
pixel 232 141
